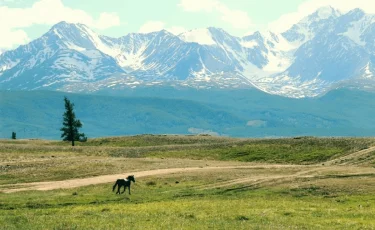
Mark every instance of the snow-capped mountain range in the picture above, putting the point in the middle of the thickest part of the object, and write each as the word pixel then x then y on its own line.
pixel 325 50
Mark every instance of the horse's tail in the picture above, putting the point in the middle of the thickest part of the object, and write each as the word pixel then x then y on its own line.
pixel 114 186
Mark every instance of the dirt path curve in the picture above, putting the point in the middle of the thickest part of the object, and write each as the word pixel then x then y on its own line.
pixel 73 183
pixel 306 172
pixel 348 159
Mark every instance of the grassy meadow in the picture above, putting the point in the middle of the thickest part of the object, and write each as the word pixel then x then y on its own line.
pixel 274 183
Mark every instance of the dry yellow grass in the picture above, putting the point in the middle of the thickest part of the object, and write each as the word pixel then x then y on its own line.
pixel 333 192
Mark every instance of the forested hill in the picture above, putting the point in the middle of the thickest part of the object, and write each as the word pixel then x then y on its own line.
pixel 238 113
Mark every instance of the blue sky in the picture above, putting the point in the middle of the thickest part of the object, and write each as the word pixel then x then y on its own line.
pixel 24 20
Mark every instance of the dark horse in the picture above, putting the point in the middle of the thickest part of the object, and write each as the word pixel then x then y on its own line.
pixel 123 182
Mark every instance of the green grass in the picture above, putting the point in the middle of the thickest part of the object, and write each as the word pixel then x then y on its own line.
pixel 167 205
pixel 35 160
pixel 334 198
pixel 155 140
pixel 305 150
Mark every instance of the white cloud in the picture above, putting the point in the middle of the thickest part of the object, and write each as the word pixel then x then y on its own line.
pixel 107 20
pixel 198 5
pixel 49 12
pixel 46 12
pixel 9 38
pixel 153 26
pixel 310 6
pixel 237 18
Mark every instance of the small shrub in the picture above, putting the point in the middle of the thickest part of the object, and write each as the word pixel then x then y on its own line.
pixel 242 218
pixel 151 183
pixel 187 215
pixel 82 137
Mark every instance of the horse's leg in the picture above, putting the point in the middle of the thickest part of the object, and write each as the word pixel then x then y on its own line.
pixel 124 189
pixel 118 189
pixel 114 187
pixel 129 189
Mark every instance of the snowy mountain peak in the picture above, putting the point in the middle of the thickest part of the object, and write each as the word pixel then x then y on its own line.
pixel 274 41
pixel 357 11
pixel 319 51
pixel 325 13
pixel 356 14
pixel 73 36
pixel 322 13
pixel 254 39
pixel 311 25
pixel 63 24
pixel 218 31
pixel 165 33
pixel 200 36
pixel 256 35
pixel 66 27
pixel 269 35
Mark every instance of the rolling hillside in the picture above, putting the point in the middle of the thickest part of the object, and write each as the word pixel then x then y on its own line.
pixel 246 113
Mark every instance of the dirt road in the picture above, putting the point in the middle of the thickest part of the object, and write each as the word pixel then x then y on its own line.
pixel 304 171
pixel 73 183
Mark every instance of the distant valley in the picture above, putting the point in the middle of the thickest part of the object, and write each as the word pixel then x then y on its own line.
pixel 165 110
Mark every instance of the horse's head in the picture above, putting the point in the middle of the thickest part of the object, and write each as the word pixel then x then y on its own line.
pixel 131 178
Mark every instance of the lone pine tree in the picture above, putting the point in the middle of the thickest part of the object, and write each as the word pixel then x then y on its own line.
pixel 71 125
pixel 14 135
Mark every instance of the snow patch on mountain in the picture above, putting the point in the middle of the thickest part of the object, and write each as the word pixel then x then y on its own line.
pixel 311 25
pixel 274 49
pixel 97 41
pixel 368 72
pixel 132 59
pixel 327 12
pixel 354 34
pixel 75 47
pixel 8 65
pixel 249 44
pixel 200 36
pixel 292 86
pixel 358 24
